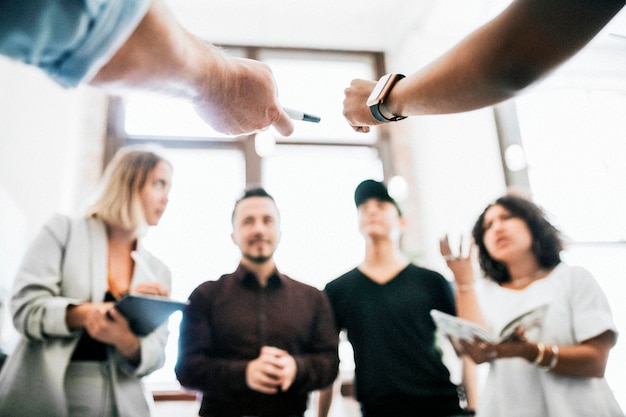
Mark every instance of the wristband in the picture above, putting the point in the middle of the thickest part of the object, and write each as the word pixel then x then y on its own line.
pixel 541 348
pixel 376 100
pixel 554 360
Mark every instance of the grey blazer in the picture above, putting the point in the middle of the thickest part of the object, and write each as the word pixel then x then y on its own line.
pixel 67 264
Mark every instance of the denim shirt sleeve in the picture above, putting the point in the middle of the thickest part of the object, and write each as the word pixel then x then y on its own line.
pixel 70 40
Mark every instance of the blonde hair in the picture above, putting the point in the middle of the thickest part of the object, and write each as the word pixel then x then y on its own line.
pixel 118 201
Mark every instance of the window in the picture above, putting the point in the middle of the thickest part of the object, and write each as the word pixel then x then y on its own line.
pixel 313 187
pixel 314 83
pixel 574 152
pixel 162 111
pixel 575 148
pixel 193 237
pixel 312 175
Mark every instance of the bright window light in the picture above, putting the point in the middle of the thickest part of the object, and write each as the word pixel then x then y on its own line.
pixel 575 148
pixel 313 184
pixel 315 85
pixel 314 189
pixel 193 237
pixel 162 117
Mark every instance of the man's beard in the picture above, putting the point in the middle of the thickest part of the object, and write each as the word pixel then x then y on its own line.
pixel 260 259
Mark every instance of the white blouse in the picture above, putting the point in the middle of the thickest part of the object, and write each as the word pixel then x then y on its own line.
pixel 577 311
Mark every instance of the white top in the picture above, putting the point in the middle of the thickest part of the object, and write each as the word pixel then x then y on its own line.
pixel 578 310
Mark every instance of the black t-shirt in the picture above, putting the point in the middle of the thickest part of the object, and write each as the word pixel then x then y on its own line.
pixel 389 326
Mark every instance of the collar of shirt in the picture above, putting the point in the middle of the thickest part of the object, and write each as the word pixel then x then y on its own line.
pixel 249 279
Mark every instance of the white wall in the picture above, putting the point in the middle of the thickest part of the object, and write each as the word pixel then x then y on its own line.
pixel 456 160
pixel 457 168
pixel 47 136
pixel 50 148
pixel 457 171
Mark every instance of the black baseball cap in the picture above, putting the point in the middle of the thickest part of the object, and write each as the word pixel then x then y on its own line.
pixel 373 189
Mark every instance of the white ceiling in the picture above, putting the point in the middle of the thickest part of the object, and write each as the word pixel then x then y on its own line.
pixel 335 24
pixel 375 25
pixel 372 25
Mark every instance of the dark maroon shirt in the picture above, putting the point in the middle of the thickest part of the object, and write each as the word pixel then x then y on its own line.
pixel 229 320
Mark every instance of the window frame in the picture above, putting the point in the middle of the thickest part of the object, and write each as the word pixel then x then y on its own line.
pixel 117 137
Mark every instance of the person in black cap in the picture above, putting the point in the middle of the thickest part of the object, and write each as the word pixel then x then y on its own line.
pixel 384 304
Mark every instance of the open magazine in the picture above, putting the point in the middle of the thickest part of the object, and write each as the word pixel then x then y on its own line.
pixel 146 312
pixel 464 329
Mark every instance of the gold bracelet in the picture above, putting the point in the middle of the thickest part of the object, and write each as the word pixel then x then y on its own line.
pixel 541 350
pixel 555 357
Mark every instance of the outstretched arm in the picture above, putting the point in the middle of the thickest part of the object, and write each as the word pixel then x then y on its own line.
pixel 233 95
pixel 518 47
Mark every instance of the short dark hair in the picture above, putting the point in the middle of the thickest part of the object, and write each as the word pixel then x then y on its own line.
pixel 547 241
pixel 251 192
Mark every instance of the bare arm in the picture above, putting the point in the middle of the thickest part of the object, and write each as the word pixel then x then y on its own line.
pixel 521 45
pixel 461 266
pixel 467 307
pixel 324 401
pixel 470 382
pixel 233 95
pixel 587 359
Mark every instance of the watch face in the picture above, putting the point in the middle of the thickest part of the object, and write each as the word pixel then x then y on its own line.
pixel 380 91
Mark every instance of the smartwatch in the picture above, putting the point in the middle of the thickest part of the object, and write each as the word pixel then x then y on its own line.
pixel 378 96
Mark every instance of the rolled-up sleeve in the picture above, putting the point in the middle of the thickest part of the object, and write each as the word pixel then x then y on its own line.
pixel 70 40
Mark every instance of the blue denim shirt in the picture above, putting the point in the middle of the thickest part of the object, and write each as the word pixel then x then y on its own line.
pixel 68 39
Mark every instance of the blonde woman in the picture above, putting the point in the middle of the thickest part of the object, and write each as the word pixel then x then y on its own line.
pixel 78 356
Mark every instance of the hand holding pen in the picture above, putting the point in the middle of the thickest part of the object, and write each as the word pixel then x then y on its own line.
pixel 298 115
pixel 152 287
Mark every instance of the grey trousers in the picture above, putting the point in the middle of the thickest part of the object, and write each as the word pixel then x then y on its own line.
pixel 88 390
